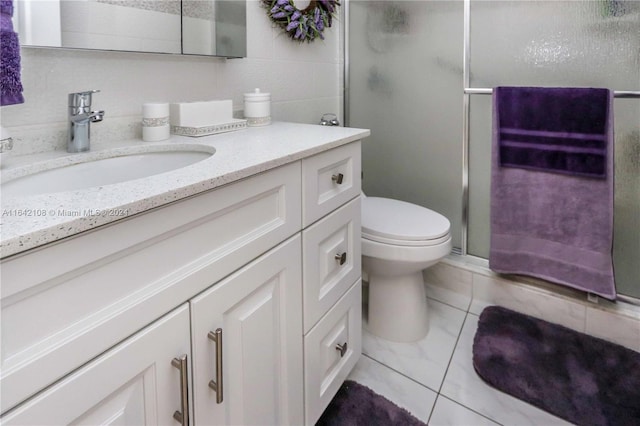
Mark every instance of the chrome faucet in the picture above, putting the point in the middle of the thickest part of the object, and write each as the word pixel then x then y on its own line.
pixel 329 120
pixel 80 119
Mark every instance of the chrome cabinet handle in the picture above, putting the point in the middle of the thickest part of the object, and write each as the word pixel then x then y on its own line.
pixel 183 415
pixel 341 258
pixel 338 178
pixel 342 349
pixel 216 337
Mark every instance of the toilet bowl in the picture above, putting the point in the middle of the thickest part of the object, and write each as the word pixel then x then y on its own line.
pixel 399 240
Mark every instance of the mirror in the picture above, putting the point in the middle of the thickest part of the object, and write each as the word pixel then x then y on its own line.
pixel 214 27
pixel 196 27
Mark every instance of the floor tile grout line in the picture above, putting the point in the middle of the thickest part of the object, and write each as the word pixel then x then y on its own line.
pixel 444 377
pixel 438 393
pixel 470 409
pixel 466 315
pixel 448 304
pixel 400 373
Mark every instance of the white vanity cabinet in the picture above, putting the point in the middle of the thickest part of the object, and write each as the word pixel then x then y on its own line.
pixel 332 271
pixel 250 371
pixel 68 302
pixel 239 305
pixel 134 383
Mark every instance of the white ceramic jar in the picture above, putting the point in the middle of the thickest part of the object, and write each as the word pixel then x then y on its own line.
pixel 257 108
pixel 155 122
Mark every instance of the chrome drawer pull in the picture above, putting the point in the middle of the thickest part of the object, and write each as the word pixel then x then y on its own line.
pixel 342 349
pixel 183 415
pixel 338 178
pixel 216 337
pixel 341 258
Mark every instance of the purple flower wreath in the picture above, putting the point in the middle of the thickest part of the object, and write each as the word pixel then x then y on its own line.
pixel 302 25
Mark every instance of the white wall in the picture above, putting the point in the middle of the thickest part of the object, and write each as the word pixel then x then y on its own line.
pixel 305 80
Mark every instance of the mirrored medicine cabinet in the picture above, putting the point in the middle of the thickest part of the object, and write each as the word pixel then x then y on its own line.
pixel 188 27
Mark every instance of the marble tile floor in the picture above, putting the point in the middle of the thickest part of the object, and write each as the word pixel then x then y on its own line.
pixel 434 378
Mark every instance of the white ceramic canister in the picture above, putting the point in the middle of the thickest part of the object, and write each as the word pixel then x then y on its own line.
pixel 155 122
pixel 257 108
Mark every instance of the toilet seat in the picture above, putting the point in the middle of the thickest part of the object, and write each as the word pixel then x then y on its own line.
pixel 405 243
pixel 418 225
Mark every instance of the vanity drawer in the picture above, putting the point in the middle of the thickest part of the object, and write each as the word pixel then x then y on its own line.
pixel 61 310
pixel 332 260
pixel 331 350
pixel 329 180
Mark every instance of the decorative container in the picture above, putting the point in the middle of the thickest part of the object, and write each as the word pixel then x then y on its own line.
pixel 155 122
pixel 233 125
pixel 257 108
pixel 201 113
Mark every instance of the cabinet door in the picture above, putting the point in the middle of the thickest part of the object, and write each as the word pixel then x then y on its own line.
pixel 134 383
pixel 259 312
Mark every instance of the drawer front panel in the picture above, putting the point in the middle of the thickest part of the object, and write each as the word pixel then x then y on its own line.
pixel 68 312
pixel 329 180
pixel 332 260
pixel 331 350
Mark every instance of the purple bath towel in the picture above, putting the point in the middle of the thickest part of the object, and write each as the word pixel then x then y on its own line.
pixel 10 84
pixel 555 129
pixel 552 186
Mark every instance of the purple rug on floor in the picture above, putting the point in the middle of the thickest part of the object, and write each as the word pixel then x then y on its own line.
pixel 357 405
pixel 583 379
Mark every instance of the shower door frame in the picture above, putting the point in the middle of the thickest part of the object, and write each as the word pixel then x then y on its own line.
pixel 466 105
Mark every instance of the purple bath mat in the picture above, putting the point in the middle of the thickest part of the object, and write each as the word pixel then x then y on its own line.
pixel 357 405
pixel 583 379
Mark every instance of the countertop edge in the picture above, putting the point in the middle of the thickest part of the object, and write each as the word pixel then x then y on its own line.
pixel 74 226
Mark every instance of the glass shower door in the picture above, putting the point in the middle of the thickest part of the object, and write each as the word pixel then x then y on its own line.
pixel 560 43
pixel 405 67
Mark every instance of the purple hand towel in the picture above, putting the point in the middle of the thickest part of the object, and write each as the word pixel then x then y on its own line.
pixel 10 84
pixel 552 214
pixel 561 130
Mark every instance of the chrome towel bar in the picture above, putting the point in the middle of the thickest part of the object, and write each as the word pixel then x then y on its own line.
pixel 616 94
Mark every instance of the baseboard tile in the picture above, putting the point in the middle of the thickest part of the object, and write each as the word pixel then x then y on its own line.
pixel 467 283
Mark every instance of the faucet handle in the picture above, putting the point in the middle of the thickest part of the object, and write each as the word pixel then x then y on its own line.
pixel 81 99
pixel 96 116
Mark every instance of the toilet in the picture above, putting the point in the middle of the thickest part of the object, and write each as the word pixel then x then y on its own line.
pixel 399 240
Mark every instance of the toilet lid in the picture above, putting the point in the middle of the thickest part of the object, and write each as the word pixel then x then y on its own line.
pixel 398 220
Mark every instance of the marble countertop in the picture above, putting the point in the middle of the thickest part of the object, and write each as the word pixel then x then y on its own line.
pixel 31 221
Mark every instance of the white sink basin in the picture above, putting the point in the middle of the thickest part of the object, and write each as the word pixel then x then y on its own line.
pixel 101 168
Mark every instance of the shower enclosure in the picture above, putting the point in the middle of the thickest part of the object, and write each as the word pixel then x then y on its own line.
pixel 419 75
